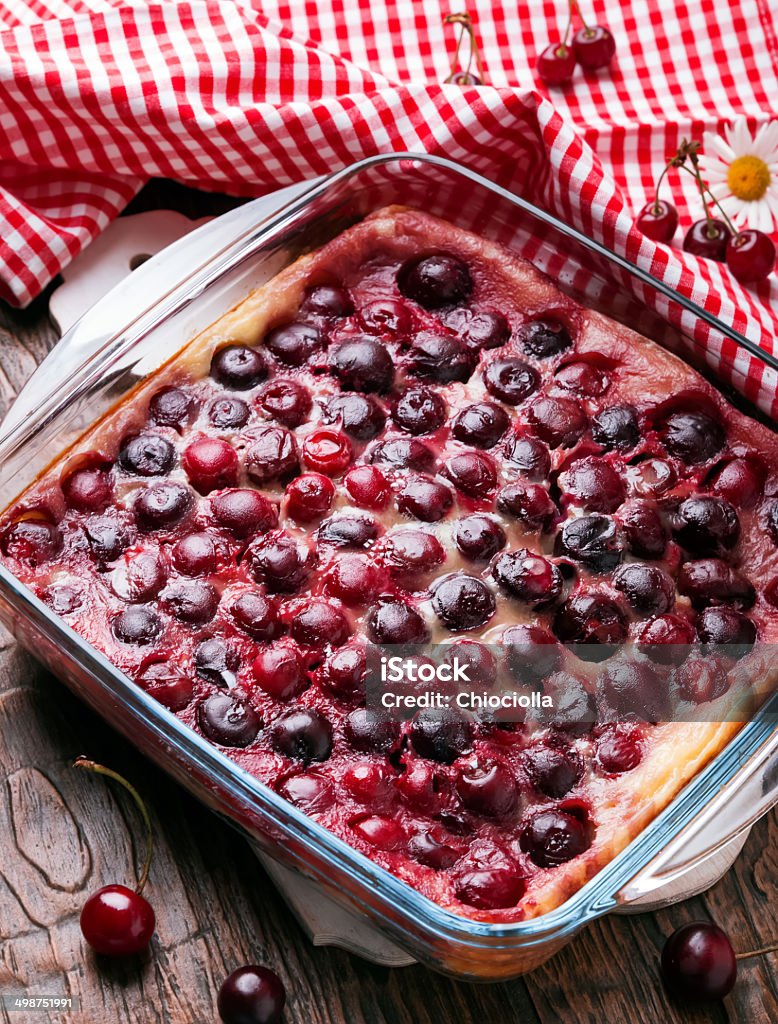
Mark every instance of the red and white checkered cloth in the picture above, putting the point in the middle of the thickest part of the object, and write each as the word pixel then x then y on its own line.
pixel 97 96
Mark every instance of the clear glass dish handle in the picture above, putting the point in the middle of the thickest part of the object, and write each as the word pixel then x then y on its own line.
pixel 735 808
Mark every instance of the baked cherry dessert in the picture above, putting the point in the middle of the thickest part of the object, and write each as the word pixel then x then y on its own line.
pixel 412 436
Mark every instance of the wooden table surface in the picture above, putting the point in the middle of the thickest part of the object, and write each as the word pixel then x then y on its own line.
pixel 64 833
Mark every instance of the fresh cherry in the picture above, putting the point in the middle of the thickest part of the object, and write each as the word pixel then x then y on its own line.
pixel 658 220
pixel 751 256
pixel 251 995
pixel 594 47
pixel 708 238
pixel 698 961
pixel 556 64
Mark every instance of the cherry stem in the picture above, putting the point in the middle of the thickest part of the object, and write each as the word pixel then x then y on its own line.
pixel 99 769
pixel 662 177
pixel 575 9
pixel 704 189
pixel 757 952
pixel 465 23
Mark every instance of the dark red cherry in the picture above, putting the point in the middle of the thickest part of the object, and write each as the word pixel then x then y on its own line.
pixel 724 625
pixel 740 481
pixel 343 671
pixel 327 300
pixel 593 484
pixel 481 331
pixel 530 457
pixel 257 614
pixel 590 619
pixel 244 512
pixel 701 679
pixel 478 537
pixel 394 622
pixel 320 624
pixel 309 497
pixel 211 464
pixel 420 411
pixel 644 529
pixel 238 367
pixel 440 735
pixel 657 220
pixel 251 995
pixel 593 540
pixel 286 401
pixel 712 581
pixel 229 412
pixel 303 734
pixel 379 831
pixel 419 786
pixel 648 589
pixel 372 732
pixel 170 407
pixel 363 364
pixel 574 711
pixel 487 788
pixel 488 878
pixel 532 652
pixel 510 379
pixel 295 344
pixel 441 357
pixel 698 962
pixel 473 658
pixel 160 505
pixel 531 503
pixel 651 477
pixel 472 473
pixel 137 625
pixel 307 790
pixel 432 852
pixel 706 525
pixel 481 424
pixel 556 64
pixel 404 453
pixel 106 536
pixel 327 451
pixel 168 683
pixel 387 317
pixel 528 577
pixel 594 47
pixel 360 416
pixel 116 921
pixel 554 769
pixel 139 576
pixel 367 487
pixel 272 455
pixel 544 338
pixel 228 721
pixel 552 837
pixel 355 579
pixel 64 598
pixel 147 455
pixel 616 428
pixel 88 489
pixel 436 280
pixel 279 670
pixel 618 748
pixel 368 782
pixel 413 553
pixel 633 689
pixel 190 601
pixel 279 561
pixel 665 639
pixel 750 256
pixel 216 662
pixel 462 602
pixel 692 436
pixel 583 378
pixel 560 422
pixel 425 499
pixel 708 238
pixel 348 531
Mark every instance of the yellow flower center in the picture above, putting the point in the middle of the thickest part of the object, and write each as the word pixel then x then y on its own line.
pixel 748 178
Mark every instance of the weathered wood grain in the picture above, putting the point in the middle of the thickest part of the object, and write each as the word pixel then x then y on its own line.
pixel 64 833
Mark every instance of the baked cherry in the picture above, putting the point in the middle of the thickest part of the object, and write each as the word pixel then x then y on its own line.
pixel 64 598
pixel 419 410
pixel 272 455
pixel 147 455
pixel 369 783
pixel 425 499
pixel 107 537
pixel 360 416
pixel 528 577
pixel 583 378
pixel 644 530
pixel 482 330
pixel 343 671
pixel 533 653
pixel 327 451
pixel 772 521
pixel 280 671
pixel 168 683
pixel 692 436
pixel 211 464
pixel 309 497
pixel 244 512
pixel 386 316
pixel 616 428
pixel 304 734
pixel 750 256
pixel 658 220
pixel 594 47
pixel 251 995
pixel 139 576
pixel 137 625
pixel 552 837
pixel 295 344
pixel 593 484
pixel 590 618
pixel 648 589
pixel 367 487
pixel 554 769
pixel 217 662
pixel 238 367
pixel 488 878
pixel 229 413
pixel 510 379
pixel 355 579
pixel 440 735
pixel 170 407
pixel 530 457
pixel 286 401
pixel 698 961
pixel 472 473
pixel 116 920
pixel 574 711
pixel 709 238
pixel 161 505
pixel 410 554
pixel 371 732
pixel 481 424
pixel 712 581
pixel 706 525
pixel 433 852
pixel 701 679
pixel 665 639
pixel 257 615
pixel 345 531
pixel 556 64
pixel 740 481
pixel 307 790
pixel 486 788
pixel 279 561
pixel 320 623
pixel 191 601
pixel 544 338
pixel 634 689
pixel 618 748
pixel 331 301
pixel 474 658
pixel 593 540
pixel 392 621
pixel 404 453
pixel 724 625
pixel 651 477
pixel 478 538
pixel 363 364
pixel 88 489
pixel 560 422
pixel 462 602
pixel 379 831
pixel 441 357
pixel 228 721
pixel 435 280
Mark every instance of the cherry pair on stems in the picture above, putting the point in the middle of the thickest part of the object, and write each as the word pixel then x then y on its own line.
pixel 592 47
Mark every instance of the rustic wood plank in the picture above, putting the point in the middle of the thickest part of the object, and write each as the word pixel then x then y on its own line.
pixel 63 834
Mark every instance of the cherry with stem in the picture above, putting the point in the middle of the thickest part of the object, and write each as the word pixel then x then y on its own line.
pixel 466 77
pixel 698 961
pixel 556 63
pixel 593 45
pixel 658 219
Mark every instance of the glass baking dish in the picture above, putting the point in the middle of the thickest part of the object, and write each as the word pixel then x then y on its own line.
pixel 140 325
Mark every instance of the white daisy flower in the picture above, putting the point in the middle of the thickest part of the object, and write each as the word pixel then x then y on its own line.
pixel 742 173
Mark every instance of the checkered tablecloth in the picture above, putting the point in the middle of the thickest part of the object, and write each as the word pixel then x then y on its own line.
pixel 97 96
